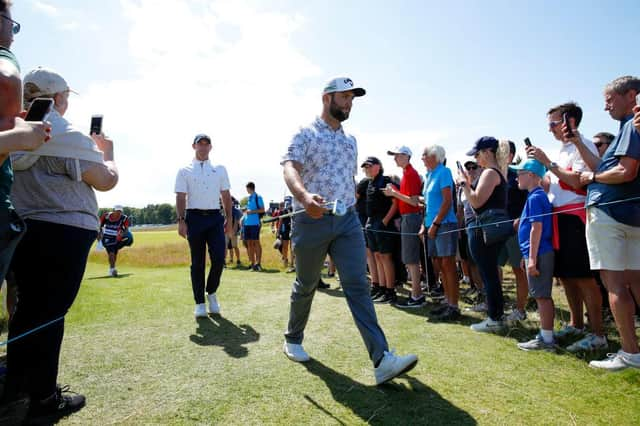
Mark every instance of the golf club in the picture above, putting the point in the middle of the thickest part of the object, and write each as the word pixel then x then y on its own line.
pixel 337 209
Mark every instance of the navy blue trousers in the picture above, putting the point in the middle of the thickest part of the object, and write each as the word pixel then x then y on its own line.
pixel 205 233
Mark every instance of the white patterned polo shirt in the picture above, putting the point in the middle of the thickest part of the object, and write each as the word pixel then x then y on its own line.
pixel 329 160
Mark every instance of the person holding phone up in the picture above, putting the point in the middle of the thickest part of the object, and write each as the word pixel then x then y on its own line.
pixel 613 218
pixel 54 193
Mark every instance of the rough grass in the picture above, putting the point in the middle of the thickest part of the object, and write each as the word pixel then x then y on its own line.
pixel 133 348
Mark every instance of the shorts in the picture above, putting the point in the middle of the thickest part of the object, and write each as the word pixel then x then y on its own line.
pixel 284 232
pixel 252 232
pixel 510 251
pixel 540 286
pixel 445 242
pixel 379 237
pixel 572 260
pixel 613 246
pixel 410 244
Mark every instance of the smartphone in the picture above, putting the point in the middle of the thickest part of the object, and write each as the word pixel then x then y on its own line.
pixel 565 121
pixel 527 142
pixel 460 168
pixel 39 109
pixel 638 99
pixel 96 125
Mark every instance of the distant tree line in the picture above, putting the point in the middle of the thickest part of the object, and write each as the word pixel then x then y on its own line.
pixel 156 214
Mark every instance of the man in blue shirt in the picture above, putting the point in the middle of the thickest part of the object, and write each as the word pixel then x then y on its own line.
pixel 613 218
pixel 255 209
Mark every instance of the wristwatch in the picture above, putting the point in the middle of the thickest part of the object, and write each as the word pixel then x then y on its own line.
pixel 180 218
pixel 593 177
pixel 437 225
pixel 553 165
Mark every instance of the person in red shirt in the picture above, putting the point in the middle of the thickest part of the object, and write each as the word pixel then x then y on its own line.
pixel 410 211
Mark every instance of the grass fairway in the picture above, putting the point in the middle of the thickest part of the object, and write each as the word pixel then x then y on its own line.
pixel 134 349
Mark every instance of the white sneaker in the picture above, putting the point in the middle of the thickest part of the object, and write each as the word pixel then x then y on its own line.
pixel 617 361
pixel 393 365
pixel 589 343
pixel 200 311
pixel 113 272
pixel 295 352
pixel 488 326
pixel 478 307
pixel 214 307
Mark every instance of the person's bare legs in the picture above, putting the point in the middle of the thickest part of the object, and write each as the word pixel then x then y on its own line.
pixel 388 269
pixel 414 273
pixel 450 278
pixel 373 268
pixel 574 300
pixel 619 286
pixel 593 301
pixel 522 288
pixel 546 310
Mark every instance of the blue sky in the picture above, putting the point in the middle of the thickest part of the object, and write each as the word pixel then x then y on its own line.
pixel 250 73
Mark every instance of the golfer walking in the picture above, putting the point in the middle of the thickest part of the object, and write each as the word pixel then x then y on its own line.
pixel 319 166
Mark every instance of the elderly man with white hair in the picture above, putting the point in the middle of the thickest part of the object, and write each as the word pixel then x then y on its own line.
pixel 440 225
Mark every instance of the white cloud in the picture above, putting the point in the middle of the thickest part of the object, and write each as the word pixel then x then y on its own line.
pixel 46 8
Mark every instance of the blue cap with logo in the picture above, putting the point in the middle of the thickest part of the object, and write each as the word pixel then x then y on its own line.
pixel 532 165
pixel 483 143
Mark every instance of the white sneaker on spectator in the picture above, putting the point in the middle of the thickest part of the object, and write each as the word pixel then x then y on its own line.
pixel 588 343
pixel 214 307
pixel 516 315
pixel 568 331
pixel 393 365
pixel 200 311
pixel 295 352
pixel 487 326
pixel 113 272
pixel 617 361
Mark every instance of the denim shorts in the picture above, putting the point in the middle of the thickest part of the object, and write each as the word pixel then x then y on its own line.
pixel 446 241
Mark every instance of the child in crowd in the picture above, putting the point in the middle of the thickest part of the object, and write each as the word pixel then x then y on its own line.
pixel 535 238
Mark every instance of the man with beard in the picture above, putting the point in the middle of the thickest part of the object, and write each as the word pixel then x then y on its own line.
pixel 319 166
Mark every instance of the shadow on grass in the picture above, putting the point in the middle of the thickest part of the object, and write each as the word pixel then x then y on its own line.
pixel 218 331
pixel 101 277
pixel 392 403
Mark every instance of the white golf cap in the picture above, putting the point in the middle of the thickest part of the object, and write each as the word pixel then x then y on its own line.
pixel 343 84
pixel 118 207
pixel 400 150
pixel 43 81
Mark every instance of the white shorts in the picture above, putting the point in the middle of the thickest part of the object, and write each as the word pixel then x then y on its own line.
pixel 612 245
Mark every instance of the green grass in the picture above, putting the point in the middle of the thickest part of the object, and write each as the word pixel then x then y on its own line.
pixel 133 348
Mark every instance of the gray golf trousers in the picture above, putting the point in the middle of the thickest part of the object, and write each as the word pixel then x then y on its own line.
pixel 342 238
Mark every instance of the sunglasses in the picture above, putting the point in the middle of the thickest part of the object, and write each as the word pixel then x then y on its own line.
pixel 470 168
pixel 15 27
pixel 599 144
pixel 554 124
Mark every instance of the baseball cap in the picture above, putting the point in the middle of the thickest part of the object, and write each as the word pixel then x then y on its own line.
pixel 118 207
pixel 483 143
pixel 532 165
pixel 44 81
pixel 400 150
pixel 370 161
pixel 343 84
pixel 201 136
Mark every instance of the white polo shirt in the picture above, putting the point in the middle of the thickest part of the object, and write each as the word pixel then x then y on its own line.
pixel 202 182
pixel 569 158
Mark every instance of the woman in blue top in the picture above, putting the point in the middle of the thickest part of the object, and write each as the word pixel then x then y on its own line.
pixel 440 225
